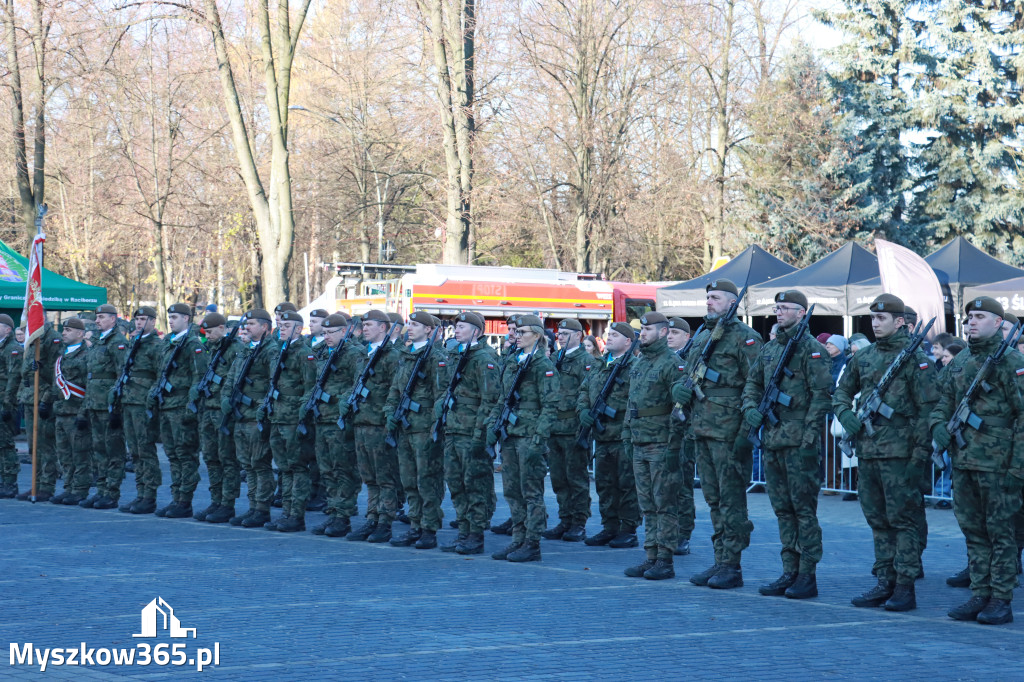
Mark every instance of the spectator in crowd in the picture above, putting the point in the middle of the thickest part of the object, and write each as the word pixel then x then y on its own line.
pixel 823 338
pixel 773 332
pixel 593 346
pixel 836 346
pixel 858 342
pixel 949 350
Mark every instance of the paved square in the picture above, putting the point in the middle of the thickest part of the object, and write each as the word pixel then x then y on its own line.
pixel 297 606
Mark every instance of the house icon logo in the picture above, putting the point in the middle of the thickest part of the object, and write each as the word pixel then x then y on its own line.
pixel 151 623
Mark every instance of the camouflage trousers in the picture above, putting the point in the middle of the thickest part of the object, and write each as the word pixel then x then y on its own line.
pixel 685 509
pixel 10 467
pixel 656 468
pixel 292 459
pixel 254 457
pixel 219 456
pixel 724 477
pixel 522 478
pixel 139 436
pixel 890 500
pixel 421 466
pixel 47 469
pixel 378 467
pixel 616 487
pixel 793 482
pixel 107 454
pixel 567 463
pixel 469 473
pixel 984 506
pixel 74 452
pixel 179 432
pixel 925 485
pixel 336 457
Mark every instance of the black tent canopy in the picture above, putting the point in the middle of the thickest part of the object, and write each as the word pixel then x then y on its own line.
pixel 751 266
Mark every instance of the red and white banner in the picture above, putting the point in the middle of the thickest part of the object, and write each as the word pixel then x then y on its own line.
pixel 907 275
pixel 35 314
pixel 67 389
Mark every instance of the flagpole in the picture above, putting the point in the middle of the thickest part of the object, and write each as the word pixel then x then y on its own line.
pixel 35 422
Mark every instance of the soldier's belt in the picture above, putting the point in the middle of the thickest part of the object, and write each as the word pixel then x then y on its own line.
pixel 565 414
pixel 897 419
pixel 136 374
pixel 722 392
pixel 989 423
pixel 95 375
pixel 529 405
pixel 651 411
pixel 466 400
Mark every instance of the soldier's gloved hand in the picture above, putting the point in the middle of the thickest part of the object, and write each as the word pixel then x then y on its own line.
pixel 742 444
pixel 111 396
pixel 45 410
pixel 115 422
pixel 81 423
pixel 391 424
pixel 438 409
pixel 753 417
pixel 7 415
pixel 34 366
pixel 261 414
pixel 303 414
pixel 586 419
pixel 343 409
pixel 492 437
pixel 538 440
pixel 193 394
pixel 225 406
pixel 940 434
pixel 850 422
pixel 681 394
pixel 152 402
pixel 809 441
pixel 627 448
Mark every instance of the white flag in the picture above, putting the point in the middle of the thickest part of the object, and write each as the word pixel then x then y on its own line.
pixel 907 275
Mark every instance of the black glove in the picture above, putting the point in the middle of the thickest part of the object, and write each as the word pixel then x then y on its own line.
pixel 34 366
pixel 45 410
pixel 81 423
pixel 7 416
pixel 115 422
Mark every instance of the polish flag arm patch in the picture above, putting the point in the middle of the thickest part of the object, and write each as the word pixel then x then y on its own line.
pixel 681 368
pixel 750 342
pixel 815 355
pixel 490 365
pixel 199 350
pixel 549 373
pixel 441 363
pixel 311 357
pixel 1020 372
pixel 924 365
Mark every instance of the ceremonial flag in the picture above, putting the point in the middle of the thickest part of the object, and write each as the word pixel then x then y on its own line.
pixel 35 315
pixel 907 275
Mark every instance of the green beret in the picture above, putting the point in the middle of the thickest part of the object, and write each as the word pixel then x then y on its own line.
pixel 6 319
pixel 212 320
pixel 792 296
pixel 624 329
pixel 887 303
pixel 106 308
pixel 287 305
pixel 180 308
pixel 376 316
pixel 909 314
pixel 722 285
pixel 986 304
pixel 571 325
pixel 145 311
pixel 513 319
pixel 337 321
pixel 653 317
pixel 319 312
pixel 679 323
pixel 1010 317
pixel 424 318
pixel 87 315
pixel 396 319
pixel 291 316
pixel 259 314
pixel 529 321
pixel 474 319
pixel 74 323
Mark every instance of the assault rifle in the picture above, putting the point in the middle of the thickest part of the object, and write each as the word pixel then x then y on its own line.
pixel 559 359
pixel 267 406
pixel 126 372
pixel 237 396
pixel 963 416
pixel 319 395
pixel 600 407
pixel 507 417
pixel 700 370
pixel 163 384
pixel 773 395
pixel 448 402
pixel 359 390
pixel 210 377
pixel 407 404
pixel 875 404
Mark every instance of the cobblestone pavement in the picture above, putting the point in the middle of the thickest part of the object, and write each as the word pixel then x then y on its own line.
pixel 298 606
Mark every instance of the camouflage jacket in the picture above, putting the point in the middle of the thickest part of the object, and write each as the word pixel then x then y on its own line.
pixel 912 395
pixel 371 408
pixel 477 392
pixel 74 367
pixel 255 383
pixel 718 416
pixel 320 349
pixel 187 369
pixel 338 383
pixel 429 388
pixel 295 381
pixel 649 409
pixel 810 386
pixel 220 372
pixel 538 398
pixel 10 362
pixel 105 360
pixel 998 446
pixel 617 398
pixel 147 365
pixel 575 366
pixel 21 384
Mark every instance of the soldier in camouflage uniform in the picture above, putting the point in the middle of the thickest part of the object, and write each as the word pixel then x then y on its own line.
pixel 678 337
pixel 21 388
pixel 613 467
pixel 791 446
pixel 279 413
pixel 378 464
pixel 218 448
pixel 567 461
pixel 508 353
pixel 10 360
pixel 420 458
pixel 523 451
pixel 336 449
pixel 105 360
pixel 468 470
pixel 183 364
pixel 315 339
pixel 724 455
pixel 139 434
pixel 988 471
pixel 654 446
pixel 72 428
pixel 892 460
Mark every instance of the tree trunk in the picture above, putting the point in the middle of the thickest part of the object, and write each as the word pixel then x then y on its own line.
pixel 26 197
pixel 713 245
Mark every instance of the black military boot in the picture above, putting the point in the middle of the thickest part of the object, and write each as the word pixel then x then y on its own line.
pixel 504 528
pixel 661 570
pixel 59 498
pixel 127 506
pixel 502 554
pixel 104 502
pixel 805 587
pixel 459 540
pixel 291 524
pixel 8 491
pixel 1020 569
pixel 997 612
pixel 960 578
pixel 71 500
pixel 339 527
pixel 530 551
pixel 272 523
pixel 454 525
pixel 89 501
pixel 162 511
pixel 182 509
pixel 701 579
pixel 779 587
pixel 203 513
pixel 317 503
pixel 25 496
pixel 402 516
pixel 319 530
pixel 683 548
pixel 257 520
pixel 365 531
pixel 729 576
pixel 427 540
pixel 381 534
pixel 876 596
pixel 473 544
pixel 144 506
pixel 639 570
pixel 575 534
pixel 970 609
pixel 221 514
pixel 407 539
pixel 237 520
pixel 601 539
pixel 902 599
pixel 625 539
pixel 557 532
